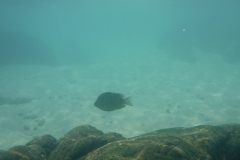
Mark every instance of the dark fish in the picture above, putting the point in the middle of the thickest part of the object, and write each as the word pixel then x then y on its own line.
pixel 109 101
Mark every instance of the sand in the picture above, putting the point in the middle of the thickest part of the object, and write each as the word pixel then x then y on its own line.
pixel 166 92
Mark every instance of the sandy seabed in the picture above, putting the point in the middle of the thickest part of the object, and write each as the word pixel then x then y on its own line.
pixel 165 93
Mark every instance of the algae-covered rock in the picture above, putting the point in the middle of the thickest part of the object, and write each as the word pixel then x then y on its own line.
pixel 77 143
pixel 37 149
pixel 111 137
pixel 88 143
pixel 4 155
pixel 47 142
pixel 33 152
pixel 197 143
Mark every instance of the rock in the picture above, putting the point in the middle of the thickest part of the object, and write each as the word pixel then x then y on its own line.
pixel 111 137
pixel 47 142
pixel 4 155
pixel 88 143
pixel 77 143
pixel 41 122
pixel 33 152
pixel 202 142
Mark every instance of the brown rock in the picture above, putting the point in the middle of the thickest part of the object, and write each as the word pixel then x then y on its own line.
pixel 111 137
pixel 47 142
pixel 88 143
pixel 77 143
pixel 4 155
pixel 197 143
pixel 33 152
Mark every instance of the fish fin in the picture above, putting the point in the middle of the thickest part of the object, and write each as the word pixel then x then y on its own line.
pixel 121 106
pixel 127 101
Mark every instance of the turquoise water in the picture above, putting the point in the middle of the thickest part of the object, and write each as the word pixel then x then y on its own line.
pixel 179 60
pixel 79 32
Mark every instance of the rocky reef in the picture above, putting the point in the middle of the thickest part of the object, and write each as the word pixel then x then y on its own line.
pixel 87 143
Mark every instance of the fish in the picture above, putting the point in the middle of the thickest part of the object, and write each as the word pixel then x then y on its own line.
pixel 109 101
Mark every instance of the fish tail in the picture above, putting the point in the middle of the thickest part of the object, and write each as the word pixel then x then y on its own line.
pixel 127 101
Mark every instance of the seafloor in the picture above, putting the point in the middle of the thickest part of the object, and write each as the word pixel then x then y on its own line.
pixel 37 100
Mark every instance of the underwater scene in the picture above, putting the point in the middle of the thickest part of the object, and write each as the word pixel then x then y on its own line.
pixel 114 70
